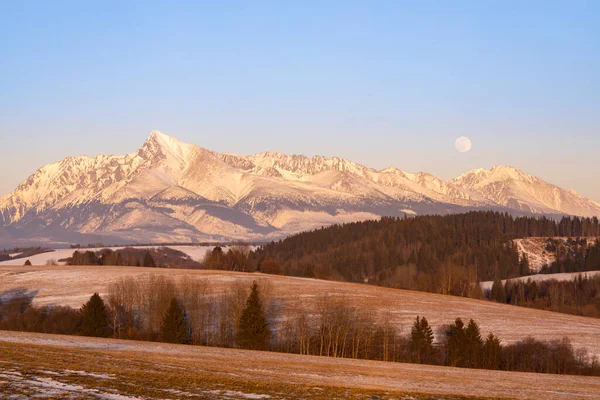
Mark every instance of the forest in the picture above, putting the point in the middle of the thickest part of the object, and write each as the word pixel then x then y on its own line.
pixel 435 252
pixel 160 257
pixel 439 254
pixel 579 296
pixel 187 312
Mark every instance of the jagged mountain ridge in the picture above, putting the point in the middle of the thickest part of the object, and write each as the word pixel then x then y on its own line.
pixel 512 188
pixel 173 191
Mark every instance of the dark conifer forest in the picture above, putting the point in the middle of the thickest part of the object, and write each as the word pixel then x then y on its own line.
pixel 421 252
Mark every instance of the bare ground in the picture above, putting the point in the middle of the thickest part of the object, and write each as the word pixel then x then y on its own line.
pixel 53 366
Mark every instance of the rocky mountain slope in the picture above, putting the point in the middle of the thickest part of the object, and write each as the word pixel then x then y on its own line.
pixel 170 191
pixel 512 188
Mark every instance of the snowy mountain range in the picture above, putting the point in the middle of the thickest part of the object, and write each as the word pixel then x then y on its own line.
pixel 169 191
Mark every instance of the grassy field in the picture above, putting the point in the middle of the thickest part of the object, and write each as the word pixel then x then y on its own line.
pixel 60 367
pixel 71 285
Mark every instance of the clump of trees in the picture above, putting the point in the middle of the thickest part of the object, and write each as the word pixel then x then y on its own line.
pixel 579 296
pixel 21 252
pixel 162 257
pixel 575 255
pixel 236 258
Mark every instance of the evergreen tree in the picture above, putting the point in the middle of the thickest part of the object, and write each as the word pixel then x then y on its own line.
pixel 28 263
pixel 455 344
pixel 94 318
pixel 473 345
pixel 119 259
pixel 421 341
pixel 253 328
pixel 148 260
pixel 174 326
pixel 498 294
pixel 491 352
pixel 524 266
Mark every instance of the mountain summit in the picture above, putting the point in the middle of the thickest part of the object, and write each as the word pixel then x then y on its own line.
pixel 513 188
pixel 170 191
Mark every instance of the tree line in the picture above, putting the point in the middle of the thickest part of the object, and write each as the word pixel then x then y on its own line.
pixel 579 296
pixel 430 253
pixel 250 317
pixel 161 257
pixel 575 255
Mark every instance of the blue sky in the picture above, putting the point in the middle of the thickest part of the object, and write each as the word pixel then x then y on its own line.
pixel 380 82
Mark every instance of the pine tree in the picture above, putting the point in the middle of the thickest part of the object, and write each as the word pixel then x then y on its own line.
pixel 148 260
pixel 421 341
pixel 498 294
pixel 455 344
pixel 524 266
pixel 28 263
pixel 174 326
pixel 94 318
pixel 253 328
pixel 491 352
pixel 473 345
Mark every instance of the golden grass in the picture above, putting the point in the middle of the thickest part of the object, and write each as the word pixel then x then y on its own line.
pixel 158 370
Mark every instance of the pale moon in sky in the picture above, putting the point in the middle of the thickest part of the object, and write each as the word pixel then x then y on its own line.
pixel 463 144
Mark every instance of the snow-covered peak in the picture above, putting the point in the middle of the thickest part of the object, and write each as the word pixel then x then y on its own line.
pixel 497 173
pixel 167 145
pixel 513 188
pixel 169 184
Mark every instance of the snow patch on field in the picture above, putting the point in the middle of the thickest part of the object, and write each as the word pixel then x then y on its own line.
pixel 237 395
pixel 48 387
pixel 90 374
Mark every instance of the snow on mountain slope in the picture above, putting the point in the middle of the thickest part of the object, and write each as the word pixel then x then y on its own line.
pixel 517 190
pixel 173 191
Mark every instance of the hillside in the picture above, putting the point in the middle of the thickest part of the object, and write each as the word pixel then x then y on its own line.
pixel 170 191
pixel 442 254
pixel 545 251
pixel 67 366
pixel 70 285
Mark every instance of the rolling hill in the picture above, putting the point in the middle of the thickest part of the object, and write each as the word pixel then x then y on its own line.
pixel 72 286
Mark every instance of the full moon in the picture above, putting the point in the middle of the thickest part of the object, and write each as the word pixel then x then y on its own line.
pixel 463 144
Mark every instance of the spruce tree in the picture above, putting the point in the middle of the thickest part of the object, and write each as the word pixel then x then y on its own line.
pixel 28 263
pixel 421 343
pixel 94 318
pixel 148 260
pixel 524 266
pixel 174 327
pixel 253 329
pixel 491 352
pixel 498 293
pixel 455 344
pixel 473 345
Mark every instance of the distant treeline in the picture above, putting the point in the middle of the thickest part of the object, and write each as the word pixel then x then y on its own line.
pixel 162 257
pixel 21 252
pixel 187 312
pixel 579 296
